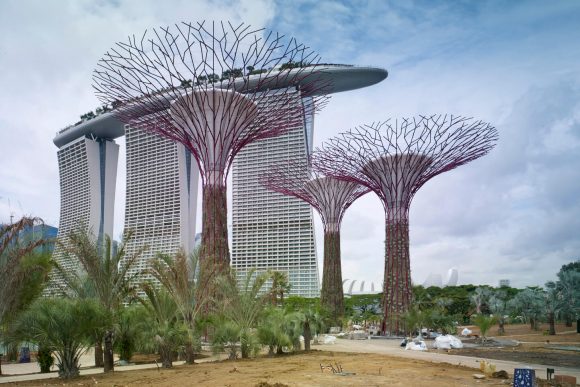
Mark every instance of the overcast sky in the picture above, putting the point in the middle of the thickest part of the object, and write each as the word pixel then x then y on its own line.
pixel 513 214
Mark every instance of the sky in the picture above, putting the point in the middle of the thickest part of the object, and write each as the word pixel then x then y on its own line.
pixel 513 214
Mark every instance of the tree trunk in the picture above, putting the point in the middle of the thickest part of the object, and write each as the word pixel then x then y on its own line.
pixel 214 255
pixel 331 296
pixel 69 367
pixel 99 353
pixel 501 329
pixel 552 323
pixel 189 354
pixel 307 336
pixel 166 357
pixel 109 360
pixel 398 288
pixel 532 324
pixel 568 319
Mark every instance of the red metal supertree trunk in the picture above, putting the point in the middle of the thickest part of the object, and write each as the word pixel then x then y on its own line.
pixel 394 159
pixel 213 87
pixel 330 197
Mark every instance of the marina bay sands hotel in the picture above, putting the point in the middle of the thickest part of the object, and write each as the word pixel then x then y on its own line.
pixel 269 230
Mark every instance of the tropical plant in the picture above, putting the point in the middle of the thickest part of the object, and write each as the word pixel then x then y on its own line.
pixel 479 298
pixel 163 326
pixel 275 329
pixel 64 326
pixel 529 303
pixel 499 306
pixel 179 276
pixel 312 322
pixel 280 286
pixel 45 359
pixel 569 287
pixel 103 274
pixel 24 268
pixel 128 332
pixel 414 320
pixel 484 323
pixel 242 306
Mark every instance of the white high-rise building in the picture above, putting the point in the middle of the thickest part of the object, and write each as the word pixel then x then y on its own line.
pixel 271 230
pixel 88 170
pixel 161 196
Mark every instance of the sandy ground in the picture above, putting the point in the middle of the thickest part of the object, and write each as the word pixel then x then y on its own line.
pixel 364 362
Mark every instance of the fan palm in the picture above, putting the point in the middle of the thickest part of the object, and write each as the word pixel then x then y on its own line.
pixel 65 326
pixel 179 276
pixel 164 325
pixel 103 274
pixel 243 306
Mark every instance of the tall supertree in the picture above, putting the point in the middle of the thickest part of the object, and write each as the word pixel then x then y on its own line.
pixel 394 159
pixel 330 197
pixel 213 87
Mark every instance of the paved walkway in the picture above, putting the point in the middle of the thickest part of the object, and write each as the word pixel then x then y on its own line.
pixel 29 371
pixel 392 348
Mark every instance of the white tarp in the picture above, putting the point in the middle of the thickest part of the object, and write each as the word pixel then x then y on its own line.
pixel 416 346
pixel 447 342
pixel 466 332
pixel 329 339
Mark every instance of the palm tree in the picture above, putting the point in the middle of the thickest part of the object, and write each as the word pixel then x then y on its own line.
pixel 530 304
pixel 23 268
pixel 280 286
pixel 243 306
pixel 65 326
pixel 179 276
pixel 128 331
pixel 414 320
pixel 163 326
pixel 312 322
pixel 274 330
pixel 103 275
pixel 498 304
pixel 484 323
pixel 569 288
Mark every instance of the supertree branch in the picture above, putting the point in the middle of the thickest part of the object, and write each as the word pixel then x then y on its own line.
pixel 330 197
pixel 213 87
pixel 394 159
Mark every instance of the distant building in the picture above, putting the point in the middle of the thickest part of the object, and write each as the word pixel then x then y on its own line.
pixel 504 282
pixel 435 279
pixel 352 287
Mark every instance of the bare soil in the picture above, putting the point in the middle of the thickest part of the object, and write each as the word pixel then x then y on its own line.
pixel 292 370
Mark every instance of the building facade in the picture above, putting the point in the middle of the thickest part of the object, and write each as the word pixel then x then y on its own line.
pixel 161 197
pixel 88 171
pixel 271 231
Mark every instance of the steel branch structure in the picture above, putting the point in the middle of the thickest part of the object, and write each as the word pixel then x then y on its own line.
pixel 394 159
pixel 330 197
pixel 213 87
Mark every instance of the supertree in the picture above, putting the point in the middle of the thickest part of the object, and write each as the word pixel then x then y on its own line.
pixel 330 197
pixel 395 159
pixel 213 87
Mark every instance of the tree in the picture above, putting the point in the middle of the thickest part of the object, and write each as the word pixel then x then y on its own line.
pixel 65 326
pixel 274 330
pixel 499 306
pixel 179 277
pixel 530 304
pixel 128 332
pixel 24 268
pixel 569 287
pixel 553 304
pixel 479 298
pixel 414 320
pixel 312 322
pixel 280 286
pixel 242 306
pixel 164 326
pixel 105 273
pixel 484 323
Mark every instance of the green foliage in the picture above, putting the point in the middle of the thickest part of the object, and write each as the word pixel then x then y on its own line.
pixel 484 323
pixel 414 320
pixel 297 303
pixel 163 328
pixel 179 276
pixel 275 330
pixel 63 326
pixel 128 332
pixel 242 306
pixel 364 307
pixel 529 303
pixel 45 359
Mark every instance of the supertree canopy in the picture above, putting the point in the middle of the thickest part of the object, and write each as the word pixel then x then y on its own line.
pixel 394 159
pixel 330 197
pixel 213 87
